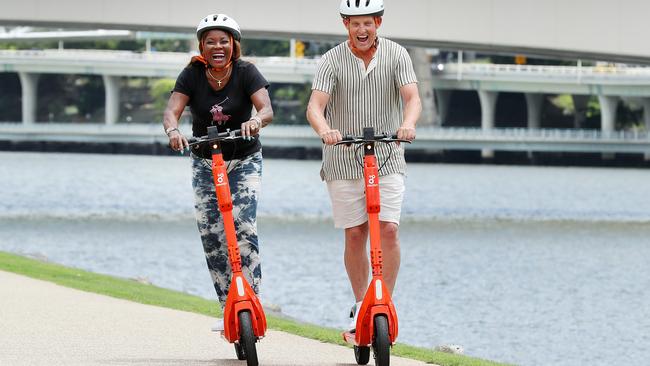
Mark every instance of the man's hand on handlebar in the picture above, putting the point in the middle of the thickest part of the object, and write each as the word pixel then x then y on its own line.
pixel 331 137
pixel 177 141
pixel 406 133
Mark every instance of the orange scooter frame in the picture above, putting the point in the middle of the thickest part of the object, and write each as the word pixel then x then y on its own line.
pixel 241 297
pixel 377 300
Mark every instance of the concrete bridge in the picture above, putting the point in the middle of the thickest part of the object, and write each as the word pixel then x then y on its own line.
pixel 593 29
pixel 609 83
pixel 112 65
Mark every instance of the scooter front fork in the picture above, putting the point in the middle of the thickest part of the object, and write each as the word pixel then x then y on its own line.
pixel 241 297
pixel 377 301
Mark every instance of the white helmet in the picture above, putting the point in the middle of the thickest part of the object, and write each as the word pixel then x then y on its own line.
pixel 219 21
pixel 350 8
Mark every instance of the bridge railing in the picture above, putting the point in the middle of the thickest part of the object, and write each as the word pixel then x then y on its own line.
pixel 542 134
pixel 601 74
pixel 117 55
pixel 304 131
pixel 435 139
pixel 629 75
pixel 100 55
pixel 152 64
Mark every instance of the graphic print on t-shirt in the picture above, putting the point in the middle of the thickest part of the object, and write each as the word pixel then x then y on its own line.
pixel 217 113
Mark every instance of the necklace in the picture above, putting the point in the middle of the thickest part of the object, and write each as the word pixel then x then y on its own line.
pixel 219 80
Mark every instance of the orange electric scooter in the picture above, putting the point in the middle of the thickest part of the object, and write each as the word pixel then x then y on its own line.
pixel 244 319
pixel 377 320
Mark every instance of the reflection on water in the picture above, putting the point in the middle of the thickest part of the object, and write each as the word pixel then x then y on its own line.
pixel 534 266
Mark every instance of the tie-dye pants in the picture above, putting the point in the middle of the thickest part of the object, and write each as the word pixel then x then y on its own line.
pixel 244 177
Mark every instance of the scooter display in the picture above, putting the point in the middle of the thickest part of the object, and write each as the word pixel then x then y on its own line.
pixel 244 318
pixel 376 325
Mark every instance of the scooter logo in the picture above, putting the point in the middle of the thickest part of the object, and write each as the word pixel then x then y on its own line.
pixel 372 180
pixel 220 179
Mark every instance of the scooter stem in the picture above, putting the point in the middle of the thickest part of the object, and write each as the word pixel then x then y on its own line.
pixel 377 300
pixel 220 175
pixel 371 175
pixel 241 297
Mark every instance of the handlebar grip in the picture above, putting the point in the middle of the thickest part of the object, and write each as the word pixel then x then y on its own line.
pixel 385 135
pixel 220 135
pixel 234 133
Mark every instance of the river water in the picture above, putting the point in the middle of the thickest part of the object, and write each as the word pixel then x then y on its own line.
pixel 528 265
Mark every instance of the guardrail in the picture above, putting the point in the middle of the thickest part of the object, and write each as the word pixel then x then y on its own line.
pixel 579 74
pixel 546 134
pixel 116 55
pixel 152 64
pixel 507 139
pixel 169 63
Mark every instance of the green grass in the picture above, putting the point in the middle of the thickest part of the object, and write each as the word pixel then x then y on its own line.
pixel 152 295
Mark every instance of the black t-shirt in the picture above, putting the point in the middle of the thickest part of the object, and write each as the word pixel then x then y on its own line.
pixel 227 108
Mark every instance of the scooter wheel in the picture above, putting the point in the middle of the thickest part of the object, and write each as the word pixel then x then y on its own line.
pixel 362 354
pixel 239 350
pixel 247 339
pixel 381 342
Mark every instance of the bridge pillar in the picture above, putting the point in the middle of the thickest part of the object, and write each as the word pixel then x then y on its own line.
pixel 112 99
pixel 488 106
pixel 29 86
pixel 580 103
pixel 443 97
pixel 422 67
pixel 608 106
pixel 646 118
pixel 534 103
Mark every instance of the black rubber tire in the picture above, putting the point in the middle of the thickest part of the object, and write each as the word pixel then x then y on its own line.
pixel 239 351
pixel 381 342
pixel 362 355
pixel 247 338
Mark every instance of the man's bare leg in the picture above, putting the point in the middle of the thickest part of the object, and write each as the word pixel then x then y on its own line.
pixel 390 252
pixel 356 259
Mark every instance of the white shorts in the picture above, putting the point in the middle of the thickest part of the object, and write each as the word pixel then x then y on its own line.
pixel 349 201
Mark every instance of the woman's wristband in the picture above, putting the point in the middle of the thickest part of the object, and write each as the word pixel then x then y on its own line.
pixel 170 130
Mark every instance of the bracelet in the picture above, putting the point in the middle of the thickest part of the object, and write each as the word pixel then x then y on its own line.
pixel 170 130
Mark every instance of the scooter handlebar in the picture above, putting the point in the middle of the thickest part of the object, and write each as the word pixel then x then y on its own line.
pixel 383 137
pixel 222 136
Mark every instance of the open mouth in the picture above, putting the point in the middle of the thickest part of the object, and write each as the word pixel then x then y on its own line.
pixel 219 57
pixel 362 39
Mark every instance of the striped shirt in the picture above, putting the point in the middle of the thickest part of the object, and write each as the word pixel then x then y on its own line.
pixel 363 97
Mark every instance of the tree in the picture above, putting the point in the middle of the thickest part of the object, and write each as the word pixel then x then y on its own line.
pixel 160 91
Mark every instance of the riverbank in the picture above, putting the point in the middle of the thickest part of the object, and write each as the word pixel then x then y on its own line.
pixel 509 262
pixel 151 295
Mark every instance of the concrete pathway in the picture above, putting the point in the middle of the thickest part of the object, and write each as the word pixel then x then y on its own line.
pixel 42 323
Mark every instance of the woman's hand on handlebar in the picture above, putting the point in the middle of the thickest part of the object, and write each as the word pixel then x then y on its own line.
pixel 250 128
pixel 330 137
pixel 177 141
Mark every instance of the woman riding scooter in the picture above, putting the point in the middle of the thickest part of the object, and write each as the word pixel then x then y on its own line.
pixel 221 90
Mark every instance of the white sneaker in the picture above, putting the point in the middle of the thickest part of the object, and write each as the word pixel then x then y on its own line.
pixel 354 315
pixel 218 326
